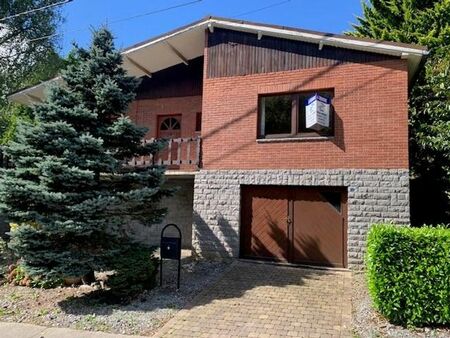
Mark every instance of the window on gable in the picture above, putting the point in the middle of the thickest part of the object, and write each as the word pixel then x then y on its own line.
pixel 284 116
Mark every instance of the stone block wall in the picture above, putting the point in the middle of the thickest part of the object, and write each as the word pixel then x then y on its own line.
pixel 374 195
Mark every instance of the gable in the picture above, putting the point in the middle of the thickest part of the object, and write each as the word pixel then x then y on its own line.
pixel 176 81
pixel 234 53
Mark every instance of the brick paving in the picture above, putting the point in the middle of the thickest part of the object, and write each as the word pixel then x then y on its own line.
pixel 267 300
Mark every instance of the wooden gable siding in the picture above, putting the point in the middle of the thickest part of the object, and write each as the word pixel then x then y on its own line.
pixel 177 81
pixel 232 53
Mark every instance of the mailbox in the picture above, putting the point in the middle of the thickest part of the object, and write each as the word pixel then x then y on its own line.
pixel 170 248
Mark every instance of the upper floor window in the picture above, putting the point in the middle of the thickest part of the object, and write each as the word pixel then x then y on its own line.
pixel 285 115
pixel 170 123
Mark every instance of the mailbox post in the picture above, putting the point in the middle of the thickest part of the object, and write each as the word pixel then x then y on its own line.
pixel 170 249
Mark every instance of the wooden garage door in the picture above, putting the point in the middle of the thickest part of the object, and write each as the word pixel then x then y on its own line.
pixel 264 214
pixel 295 224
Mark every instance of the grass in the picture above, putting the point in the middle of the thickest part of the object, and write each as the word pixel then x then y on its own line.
pixel 6 312
pixel 14 296
pixel 92 322
pixel 43 312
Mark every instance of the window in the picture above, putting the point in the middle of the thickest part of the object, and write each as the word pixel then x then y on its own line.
pixel 198 122
pixel 170 123
pixel 285 115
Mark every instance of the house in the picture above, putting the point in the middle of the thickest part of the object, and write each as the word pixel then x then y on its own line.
pixel 286 144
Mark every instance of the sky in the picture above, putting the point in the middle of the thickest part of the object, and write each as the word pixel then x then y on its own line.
pixel 133 21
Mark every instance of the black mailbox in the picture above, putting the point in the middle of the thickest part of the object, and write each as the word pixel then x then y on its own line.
pixel 170 249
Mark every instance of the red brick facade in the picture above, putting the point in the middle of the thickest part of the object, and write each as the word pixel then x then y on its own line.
pixel 371 119
pixel 145 113
pixel 370 103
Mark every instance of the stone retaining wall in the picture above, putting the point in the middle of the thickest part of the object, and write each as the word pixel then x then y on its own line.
pixel 373 196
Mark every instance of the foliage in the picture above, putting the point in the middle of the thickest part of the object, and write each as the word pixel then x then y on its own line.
pixel 21 48
pixel 135 270
pixel 27 63
pixel 6 258
pixel 70 192
pixel 425 22
pixel 408 271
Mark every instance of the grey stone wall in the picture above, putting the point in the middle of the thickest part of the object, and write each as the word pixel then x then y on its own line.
pixel 373 196
pixel 179 212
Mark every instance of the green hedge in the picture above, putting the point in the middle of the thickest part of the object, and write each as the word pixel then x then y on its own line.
pixel 408 272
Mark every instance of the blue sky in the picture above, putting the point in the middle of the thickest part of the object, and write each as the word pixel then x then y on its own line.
pixel 334 16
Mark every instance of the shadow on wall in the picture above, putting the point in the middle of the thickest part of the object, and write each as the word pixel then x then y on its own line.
pixel 338 140
pixel 274 244
pixel 179 211
pixel 223 242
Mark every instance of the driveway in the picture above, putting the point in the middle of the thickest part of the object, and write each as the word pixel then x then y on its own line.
pixel 266 300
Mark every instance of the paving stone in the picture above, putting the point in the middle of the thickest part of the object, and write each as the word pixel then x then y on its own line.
pixel 266 300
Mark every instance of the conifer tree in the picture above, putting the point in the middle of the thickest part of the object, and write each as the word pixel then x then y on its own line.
pixel 425 22
pixel 70 193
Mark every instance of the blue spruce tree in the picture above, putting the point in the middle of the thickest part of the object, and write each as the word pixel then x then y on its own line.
pixel 70 193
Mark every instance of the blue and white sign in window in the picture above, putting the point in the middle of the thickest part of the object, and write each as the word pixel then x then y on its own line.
pixel 317 112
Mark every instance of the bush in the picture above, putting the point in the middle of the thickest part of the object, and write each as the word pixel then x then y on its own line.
pixel 408 272
pixel 135 270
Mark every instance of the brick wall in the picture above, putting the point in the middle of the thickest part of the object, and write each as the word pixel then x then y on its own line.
pixel 371 119
pixel 145 112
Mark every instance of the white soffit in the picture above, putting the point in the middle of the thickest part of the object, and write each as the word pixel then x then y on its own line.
pixel 164 53
pixel 35 94
pixel 188 42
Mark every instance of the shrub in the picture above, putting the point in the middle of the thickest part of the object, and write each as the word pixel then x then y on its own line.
pixel 408 272
pixel 135 269
pixel 17 275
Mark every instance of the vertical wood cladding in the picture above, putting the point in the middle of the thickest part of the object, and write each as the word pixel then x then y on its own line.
pixel 232 53
pixel 177 81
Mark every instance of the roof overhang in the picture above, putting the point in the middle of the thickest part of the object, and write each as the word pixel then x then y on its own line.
pixel 188 42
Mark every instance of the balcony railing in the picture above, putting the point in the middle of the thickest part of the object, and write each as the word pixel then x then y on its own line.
pixel 179 153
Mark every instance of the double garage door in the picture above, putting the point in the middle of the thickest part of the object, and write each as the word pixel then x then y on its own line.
pixel 304 225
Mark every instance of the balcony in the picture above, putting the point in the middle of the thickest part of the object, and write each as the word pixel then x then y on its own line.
pixel 178 154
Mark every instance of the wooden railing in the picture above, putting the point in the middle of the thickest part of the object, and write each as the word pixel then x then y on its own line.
pixel 179 153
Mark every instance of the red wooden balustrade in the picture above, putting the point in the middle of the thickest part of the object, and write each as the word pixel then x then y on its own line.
pixel 179 153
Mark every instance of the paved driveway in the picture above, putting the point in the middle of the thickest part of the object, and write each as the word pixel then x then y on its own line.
pixel 265 300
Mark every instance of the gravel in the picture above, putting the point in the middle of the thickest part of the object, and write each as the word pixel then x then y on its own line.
pixel 368 323
pixel 72 307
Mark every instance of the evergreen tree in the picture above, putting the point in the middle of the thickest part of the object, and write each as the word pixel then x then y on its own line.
pixel 70 192
pixel 425 22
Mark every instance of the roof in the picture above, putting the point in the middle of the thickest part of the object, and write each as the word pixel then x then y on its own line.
pixel 188 42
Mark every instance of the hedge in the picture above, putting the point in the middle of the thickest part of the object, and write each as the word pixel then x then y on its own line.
pixel 408 271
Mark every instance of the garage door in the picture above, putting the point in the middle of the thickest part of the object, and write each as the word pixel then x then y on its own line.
pixel 294 224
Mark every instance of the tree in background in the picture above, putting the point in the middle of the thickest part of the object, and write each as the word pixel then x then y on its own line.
pixel 425 22
pixel 26 58
pixel 70 194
